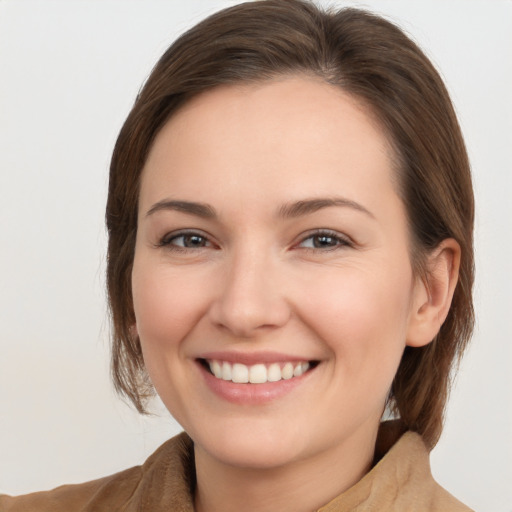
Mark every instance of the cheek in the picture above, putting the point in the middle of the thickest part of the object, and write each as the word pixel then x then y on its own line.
pixel 166 303
pixel 362 316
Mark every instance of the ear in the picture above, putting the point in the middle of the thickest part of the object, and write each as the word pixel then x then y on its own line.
pixel 433 293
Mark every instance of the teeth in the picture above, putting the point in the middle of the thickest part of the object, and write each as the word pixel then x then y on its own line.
pixel 226 371
pixel 216 369
pixel 287 371
pixel 240 373
pixel 300 369
pixel 274 373
pixel 257 373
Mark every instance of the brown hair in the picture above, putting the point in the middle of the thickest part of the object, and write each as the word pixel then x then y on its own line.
pixel 377 63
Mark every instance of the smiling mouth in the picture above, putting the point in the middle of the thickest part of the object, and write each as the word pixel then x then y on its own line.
pixel 257 373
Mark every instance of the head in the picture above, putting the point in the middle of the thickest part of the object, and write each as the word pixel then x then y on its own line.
pixel 370 61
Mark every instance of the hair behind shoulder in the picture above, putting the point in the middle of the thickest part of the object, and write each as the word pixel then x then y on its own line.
pixel 366 56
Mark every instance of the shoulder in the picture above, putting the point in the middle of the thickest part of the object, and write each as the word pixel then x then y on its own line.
pixel 400 481
pixel 125 490
pixel 408 462
pixel 76 497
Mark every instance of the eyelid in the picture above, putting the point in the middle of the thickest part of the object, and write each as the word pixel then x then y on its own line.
pixel 345 241
pixel 165 241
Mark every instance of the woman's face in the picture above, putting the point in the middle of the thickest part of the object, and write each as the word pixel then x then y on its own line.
pixel 271 240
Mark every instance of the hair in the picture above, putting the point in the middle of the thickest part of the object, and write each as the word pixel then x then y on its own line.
pixel 374 61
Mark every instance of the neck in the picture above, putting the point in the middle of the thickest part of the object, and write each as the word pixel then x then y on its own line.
pixel 300 486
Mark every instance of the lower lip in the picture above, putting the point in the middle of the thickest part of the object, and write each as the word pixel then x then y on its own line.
pixel 251 394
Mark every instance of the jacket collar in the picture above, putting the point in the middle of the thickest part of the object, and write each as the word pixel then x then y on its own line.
pixel 400 481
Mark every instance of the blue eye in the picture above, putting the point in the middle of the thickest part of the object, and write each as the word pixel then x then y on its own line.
pixel 324 240
pixel 186 241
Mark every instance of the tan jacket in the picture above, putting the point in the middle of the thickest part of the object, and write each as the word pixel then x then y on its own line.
pixel 400 482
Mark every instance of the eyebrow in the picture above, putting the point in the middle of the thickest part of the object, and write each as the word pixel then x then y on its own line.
pixel 290 210
pixel 199 209
pixel 299 208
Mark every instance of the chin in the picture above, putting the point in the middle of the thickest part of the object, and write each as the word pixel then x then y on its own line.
pixel 250 455
pixel 251 447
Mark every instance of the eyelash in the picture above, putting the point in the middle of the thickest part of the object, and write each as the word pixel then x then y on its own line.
pixel 167 240
pixel 338 240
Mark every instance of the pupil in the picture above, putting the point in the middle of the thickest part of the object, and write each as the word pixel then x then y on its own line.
pixel 194 241
pixel 324 241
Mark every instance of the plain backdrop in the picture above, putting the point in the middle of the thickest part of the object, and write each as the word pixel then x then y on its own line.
pixel 69 72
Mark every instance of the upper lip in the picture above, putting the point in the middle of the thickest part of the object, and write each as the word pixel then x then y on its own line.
pixel 250 358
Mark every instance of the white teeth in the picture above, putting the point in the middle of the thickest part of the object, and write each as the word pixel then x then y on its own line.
pixel 287 371
pixel 240 373
pixel 274 373
pixel 257 373
pixel 226 371
pixel 300 369
pixel 216 369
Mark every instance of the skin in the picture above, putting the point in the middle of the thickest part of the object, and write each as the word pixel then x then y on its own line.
pixel 254 281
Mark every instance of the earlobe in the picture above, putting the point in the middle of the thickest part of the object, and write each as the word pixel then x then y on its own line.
pixel 433 294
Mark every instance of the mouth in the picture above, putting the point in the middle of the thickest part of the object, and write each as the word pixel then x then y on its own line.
pixel 259 373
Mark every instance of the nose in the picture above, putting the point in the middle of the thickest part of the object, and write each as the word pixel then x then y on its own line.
pixel 251 298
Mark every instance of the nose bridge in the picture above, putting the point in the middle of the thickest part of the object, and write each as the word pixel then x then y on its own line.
pixel 250 297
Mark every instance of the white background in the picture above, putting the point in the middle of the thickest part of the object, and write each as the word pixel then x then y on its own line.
pixel 69 72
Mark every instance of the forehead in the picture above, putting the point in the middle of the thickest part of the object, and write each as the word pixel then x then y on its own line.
pixel 296 135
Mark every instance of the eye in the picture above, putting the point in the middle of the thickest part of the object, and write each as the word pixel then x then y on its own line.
pixel 185 240
pixel 326 240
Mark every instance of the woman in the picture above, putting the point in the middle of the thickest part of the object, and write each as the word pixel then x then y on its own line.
pixel 290 220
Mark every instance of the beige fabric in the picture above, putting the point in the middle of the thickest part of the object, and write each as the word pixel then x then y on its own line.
pixel 400 482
